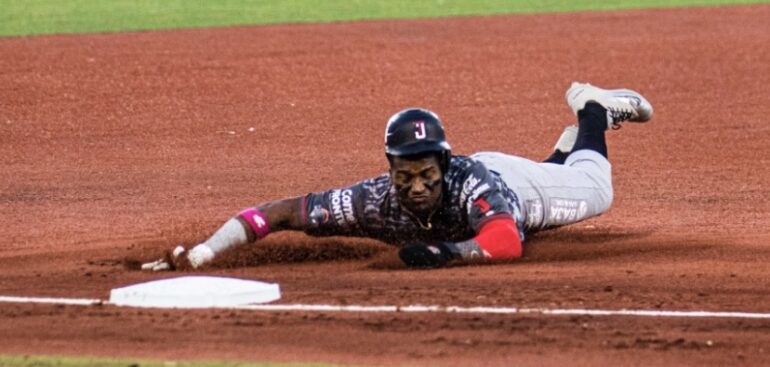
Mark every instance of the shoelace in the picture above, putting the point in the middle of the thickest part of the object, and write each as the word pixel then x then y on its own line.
pixel 618 116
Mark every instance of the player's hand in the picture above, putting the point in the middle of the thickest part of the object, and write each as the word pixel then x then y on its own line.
pixel 422 255
pixel 173 260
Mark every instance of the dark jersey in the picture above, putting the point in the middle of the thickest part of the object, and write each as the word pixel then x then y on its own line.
pixel 472 196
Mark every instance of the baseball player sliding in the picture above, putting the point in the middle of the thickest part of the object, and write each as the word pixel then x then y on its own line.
pixel 441 208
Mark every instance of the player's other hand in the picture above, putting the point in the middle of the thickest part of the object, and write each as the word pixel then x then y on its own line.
pixel 177 259
pixel 422 255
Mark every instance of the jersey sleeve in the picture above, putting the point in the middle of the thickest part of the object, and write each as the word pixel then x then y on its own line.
pixel 337 212
pixel 483 198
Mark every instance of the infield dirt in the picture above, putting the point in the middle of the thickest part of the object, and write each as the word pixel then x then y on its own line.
pixel 117 146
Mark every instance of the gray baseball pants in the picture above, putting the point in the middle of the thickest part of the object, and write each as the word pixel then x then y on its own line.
pixel 553 194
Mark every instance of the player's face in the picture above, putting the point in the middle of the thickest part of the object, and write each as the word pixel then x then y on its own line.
pixel 418 183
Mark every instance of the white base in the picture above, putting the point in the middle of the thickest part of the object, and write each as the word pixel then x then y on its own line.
pixel 195 292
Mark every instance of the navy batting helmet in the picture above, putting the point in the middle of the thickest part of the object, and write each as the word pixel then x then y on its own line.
pixel 415 131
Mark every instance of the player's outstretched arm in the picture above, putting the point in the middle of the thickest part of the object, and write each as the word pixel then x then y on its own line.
pixel 248 226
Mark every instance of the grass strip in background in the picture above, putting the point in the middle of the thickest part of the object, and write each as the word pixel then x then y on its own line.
pixel 50 361
pixel 28 17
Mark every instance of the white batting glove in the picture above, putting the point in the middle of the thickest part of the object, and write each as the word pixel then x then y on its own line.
pixel 157 265
pixel 181 259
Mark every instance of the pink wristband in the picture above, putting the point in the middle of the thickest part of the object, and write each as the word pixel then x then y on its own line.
pixel 257 221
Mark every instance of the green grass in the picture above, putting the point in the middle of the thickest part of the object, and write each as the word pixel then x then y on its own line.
pixel 43 361
pixel 27 17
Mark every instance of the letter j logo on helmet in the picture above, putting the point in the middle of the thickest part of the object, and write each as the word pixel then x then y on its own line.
pixel 419 130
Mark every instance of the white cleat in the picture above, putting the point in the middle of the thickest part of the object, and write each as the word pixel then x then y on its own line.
pixel 567 139
pixel 621 104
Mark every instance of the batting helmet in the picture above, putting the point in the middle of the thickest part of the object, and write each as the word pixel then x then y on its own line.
pixel 415 131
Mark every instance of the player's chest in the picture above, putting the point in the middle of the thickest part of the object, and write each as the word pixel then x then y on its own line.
pixel 445 225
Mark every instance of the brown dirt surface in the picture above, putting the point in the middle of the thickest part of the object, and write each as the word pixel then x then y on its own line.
pixel 115 147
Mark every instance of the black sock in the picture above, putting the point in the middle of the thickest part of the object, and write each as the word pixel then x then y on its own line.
pixel 592 123
pixel 557 157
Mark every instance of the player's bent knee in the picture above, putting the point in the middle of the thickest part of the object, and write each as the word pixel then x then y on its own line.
pixel 606 195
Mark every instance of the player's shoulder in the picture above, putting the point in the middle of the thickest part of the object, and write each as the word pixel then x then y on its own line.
pixel 374 188
pixel 460 167
pixel 467 175
pixel 459 163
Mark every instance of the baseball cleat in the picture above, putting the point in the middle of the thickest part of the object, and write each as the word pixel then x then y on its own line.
pixel 621 104
pixel 567 139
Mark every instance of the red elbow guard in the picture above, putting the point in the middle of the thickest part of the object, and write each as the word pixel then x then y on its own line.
pixel 500 239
